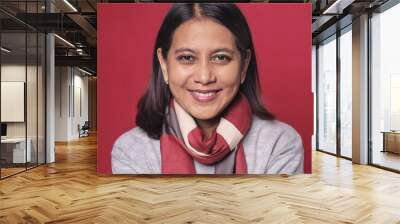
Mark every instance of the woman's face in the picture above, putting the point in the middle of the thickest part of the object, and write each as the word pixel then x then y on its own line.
pixel 203 67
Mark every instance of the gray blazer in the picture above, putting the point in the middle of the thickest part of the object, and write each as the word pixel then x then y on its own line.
pixel 271 147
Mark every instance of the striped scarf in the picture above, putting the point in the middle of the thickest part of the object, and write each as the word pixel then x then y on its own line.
pixel 182 140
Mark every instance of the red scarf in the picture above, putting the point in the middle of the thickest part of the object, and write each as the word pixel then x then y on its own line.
pixel 182 140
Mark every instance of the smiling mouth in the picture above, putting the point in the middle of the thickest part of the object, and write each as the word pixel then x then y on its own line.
pixel 204 95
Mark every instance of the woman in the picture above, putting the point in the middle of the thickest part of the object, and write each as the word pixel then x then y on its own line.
pixel 202 112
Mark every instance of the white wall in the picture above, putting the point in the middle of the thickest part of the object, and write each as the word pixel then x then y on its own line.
pixel 17 73
pixel 70 88
pixel 61 103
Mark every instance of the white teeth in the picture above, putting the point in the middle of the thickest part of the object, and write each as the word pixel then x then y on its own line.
pixel 208 94
pixel 204 96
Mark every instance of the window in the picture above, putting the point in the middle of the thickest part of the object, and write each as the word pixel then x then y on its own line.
pixel 385 88
pixel 327 95
pixel 346 93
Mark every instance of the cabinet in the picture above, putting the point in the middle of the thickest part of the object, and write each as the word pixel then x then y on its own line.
pixel 391 142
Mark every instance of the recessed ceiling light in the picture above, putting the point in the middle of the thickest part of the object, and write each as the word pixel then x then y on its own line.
pixel 5 50
pixel 70 5
pixel 64 40
pixel 84 71
pixel 337 7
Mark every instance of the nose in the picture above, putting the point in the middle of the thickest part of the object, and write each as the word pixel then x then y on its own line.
pixel 204 73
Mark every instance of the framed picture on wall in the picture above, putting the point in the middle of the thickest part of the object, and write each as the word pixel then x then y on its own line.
pixel 204 88
pixel 12 101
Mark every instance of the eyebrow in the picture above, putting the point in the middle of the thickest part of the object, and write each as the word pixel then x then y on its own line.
pixel 223 49
pixel 179 50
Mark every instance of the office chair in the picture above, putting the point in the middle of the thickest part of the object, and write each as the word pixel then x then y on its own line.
pixel 84 130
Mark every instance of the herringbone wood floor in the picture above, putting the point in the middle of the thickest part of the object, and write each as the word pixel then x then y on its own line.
pixel 70 191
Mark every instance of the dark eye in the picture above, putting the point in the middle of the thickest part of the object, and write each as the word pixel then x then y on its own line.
pixel 221 58
pixel 185 58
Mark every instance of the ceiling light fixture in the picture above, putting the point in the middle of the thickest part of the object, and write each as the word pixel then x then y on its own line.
pixel 337 7
pixel 5 50
pixel 79 51
pixel 70 5
pixel 84 71
pixel 64 40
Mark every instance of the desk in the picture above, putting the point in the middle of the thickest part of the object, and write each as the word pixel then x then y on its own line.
pixel 13 150
pixel 391 141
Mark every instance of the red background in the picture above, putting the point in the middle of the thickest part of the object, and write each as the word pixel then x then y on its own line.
pixel 126 36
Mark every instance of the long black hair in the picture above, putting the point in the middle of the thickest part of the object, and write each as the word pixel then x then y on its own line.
pixel 152 105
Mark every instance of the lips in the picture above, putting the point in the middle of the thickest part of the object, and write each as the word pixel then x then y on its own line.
pixel 204 95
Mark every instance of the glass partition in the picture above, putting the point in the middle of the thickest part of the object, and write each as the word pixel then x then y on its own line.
pixel 22 88
pixel 31 100
pixel 14 153
pixel 41 107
